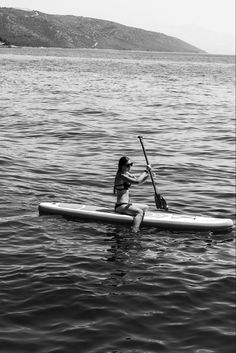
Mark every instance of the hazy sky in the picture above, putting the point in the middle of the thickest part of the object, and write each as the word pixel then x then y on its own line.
pixel 208 24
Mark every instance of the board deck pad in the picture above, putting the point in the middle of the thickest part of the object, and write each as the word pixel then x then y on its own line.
pixel 159 219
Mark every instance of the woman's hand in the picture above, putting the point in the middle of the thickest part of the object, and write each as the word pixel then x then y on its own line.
pixel 148 168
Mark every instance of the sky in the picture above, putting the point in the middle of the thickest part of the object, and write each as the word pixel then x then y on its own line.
pixel 207 24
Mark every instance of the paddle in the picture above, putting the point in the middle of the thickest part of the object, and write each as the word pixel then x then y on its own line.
pixel 159 200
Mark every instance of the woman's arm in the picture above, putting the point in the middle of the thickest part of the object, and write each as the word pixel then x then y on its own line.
pixel 133 180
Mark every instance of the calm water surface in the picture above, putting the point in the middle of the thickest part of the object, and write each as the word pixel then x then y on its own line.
pixel 66 117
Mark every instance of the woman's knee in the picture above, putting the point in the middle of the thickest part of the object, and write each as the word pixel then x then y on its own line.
pixel 142 207
pixel 139 212
pixel 145 208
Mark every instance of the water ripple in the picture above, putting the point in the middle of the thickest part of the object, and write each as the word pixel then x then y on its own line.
pixel 66 118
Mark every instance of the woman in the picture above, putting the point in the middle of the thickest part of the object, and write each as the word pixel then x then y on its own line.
pixel 123 181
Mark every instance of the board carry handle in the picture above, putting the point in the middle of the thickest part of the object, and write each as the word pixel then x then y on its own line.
pixel 159 199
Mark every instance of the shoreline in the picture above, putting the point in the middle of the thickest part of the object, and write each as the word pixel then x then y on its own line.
pixel 115 50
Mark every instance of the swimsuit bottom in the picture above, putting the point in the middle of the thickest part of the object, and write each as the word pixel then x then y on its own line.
pixel 120 204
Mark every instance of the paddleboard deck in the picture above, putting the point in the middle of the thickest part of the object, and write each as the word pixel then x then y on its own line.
pixel 158 219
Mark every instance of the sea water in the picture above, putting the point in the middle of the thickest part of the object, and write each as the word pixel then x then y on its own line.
pixel 66 117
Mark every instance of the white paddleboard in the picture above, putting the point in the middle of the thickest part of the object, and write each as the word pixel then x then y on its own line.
pixel 158 219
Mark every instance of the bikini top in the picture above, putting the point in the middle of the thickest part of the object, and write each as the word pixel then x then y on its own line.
pixel 120 187
pixel 124 186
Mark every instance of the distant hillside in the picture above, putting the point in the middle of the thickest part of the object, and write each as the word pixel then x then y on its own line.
pixel 37 29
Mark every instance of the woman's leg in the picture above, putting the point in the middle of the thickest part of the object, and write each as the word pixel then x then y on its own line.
pixel 143 208
pixel 135 210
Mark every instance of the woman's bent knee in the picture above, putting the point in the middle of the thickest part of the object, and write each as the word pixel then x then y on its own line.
pixel 142 207
pixel 140 212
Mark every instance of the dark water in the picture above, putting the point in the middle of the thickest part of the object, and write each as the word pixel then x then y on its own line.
pixel 66 117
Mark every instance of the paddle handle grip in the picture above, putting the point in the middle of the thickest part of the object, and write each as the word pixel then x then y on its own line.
pixel 144 152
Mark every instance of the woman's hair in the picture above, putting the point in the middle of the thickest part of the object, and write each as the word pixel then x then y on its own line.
pixel 123 161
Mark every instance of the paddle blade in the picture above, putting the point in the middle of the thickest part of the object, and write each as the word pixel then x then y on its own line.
pixel 161 202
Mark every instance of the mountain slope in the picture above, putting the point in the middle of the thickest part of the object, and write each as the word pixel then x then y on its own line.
pixel 37 29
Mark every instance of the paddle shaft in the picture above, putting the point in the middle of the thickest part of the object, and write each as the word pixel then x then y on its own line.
pixel 150 172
